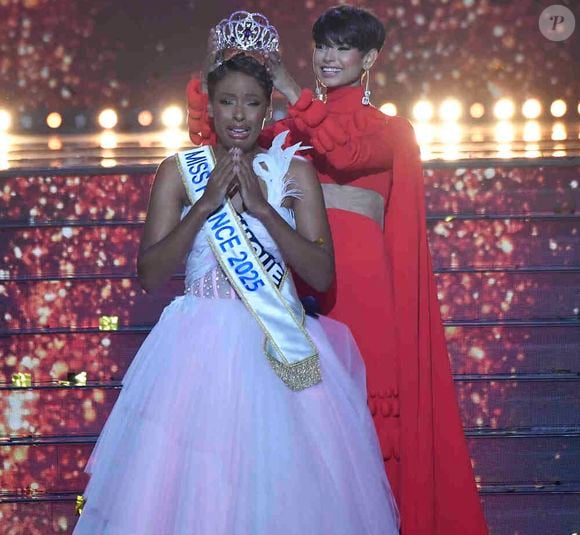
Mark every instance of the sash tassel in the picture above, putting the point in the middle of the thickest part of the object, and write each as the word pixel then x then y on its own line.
pixel 297 376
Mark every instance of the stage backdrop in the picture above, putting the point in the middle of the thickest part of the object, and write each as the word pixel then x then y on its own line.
pixel 61 54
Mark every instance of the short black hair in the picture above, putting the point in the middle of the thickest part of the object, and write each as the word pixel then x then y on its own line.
pixel 349 25
pixel 245 64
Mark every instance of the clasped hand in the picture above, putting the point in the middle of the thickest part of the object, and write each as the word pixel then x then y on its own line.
pixel 234 174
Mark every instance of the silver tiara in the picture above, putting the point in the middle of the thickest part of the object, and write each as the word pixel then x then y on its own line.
pixel 247 31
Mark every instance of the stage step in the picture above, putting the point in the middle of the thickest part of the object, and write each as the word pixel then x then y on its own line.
pixel 510 510
pixel 509 513
pixel 486 402
pixel 66 248
pixel 54 410
pixel 477 188
pixel 475 347
pixel 464 296
pixel 50 514
pixel 541 458
pixel 469 187
pixel 526 511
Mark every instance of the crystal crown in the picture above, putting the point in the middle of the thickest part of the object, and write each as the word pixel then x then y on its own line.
pixel 247 31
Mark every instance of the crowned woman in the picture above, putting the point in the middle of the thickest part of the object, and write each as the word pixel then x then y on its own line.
pixel 370 170
pixel 263 427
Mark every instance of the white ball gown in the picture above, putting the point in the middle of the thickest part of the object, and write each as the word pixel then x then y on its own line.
pixel 205 439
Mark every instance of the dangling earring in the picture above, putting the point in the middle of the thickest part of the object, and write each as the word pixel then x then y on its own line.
pixel 319 92
pixel 366 100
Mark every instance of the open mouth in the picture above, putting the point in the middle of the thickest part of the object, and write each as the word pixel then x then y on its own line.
pixel 238 132
pixel 330 71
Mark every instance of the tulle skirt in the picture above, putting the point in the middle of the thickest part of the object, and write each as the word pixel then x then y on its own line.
pixel 206 440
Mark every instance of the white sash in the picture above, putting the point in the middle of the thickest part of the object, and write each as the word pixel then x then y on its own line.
pixel 260 280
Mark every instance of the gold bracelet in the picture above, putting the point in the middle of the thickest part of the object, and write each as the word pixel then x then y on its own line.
pixel 319 241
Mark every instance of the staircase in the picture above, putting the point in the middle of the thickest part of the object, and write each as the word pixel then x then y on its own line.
pixel 504 236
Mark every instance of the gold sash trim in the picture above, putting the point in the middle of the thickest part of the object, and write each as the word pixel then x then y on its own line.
pixel 271 301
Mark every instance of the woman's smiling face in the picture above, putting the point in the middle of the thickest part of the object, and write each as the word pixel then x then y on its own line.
pixel 238 107
pixel 338 65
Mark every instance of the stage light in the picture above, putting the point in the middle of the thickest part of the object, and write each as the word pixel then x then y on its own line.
pixel 477 135
pixel 172 139
pixel 451 152
pixel 145 118
pixel 426 153
pixel 108 162
pixel 532 108
pixel 5 121
pixel 424 133
pixel 504 150
pixel 558 108
pixel 477 110
pixel 172 117
pixel 504 132
pixel 559 132
pixel 388 108
pixel 532 131
pixel 54 143
pixel 450 134
pixel 532 150
pixel 450 110
pixel 423 111
pixel 108 140
pixel 504 109
pixel 108 118
pixel 54 119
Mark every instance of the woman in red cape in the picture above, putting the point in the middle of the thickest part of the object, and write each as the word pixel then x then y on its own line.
pixel 384 289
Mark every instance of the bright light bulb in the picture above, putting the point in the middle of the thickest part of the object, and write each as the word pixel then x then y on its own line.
pixel 559 132
pixel 5 120
pixel 172 117
pixel 172 139
pixel 108 140
pixel 108 118
pixel 145 118
pixel 504 109
pixel 54 143
pixel 504 132
pixel 532 131
pixel 423 111
pixel 450 110
pixel 450 133
pixel 477 110
pixel 54 119
pixel 532 108
pixel 424 133
pixel 558 108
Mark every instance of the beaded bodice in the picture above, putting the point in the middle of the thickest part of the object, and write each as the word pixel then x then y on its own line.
pixel 203 276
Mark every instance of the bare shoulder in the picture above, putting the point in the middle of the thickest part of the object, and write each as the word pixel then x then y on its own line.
pixel 303 172
pixel 168 169
pixel 168 179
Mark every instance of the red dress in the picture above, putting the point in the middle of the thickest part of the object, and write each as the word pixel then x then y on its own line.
pixel 385 292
